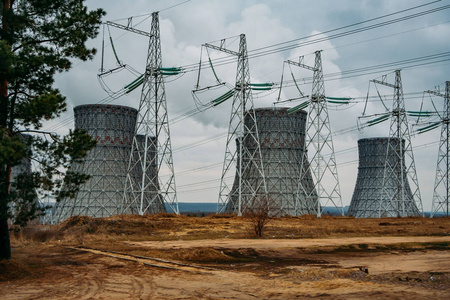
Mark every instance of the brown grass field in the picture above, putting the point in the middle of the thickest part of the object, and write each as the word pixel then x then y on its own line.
pixel 217 257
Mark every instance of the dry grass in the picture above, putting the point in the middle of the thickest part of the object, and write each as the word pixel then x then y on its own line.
pixel 29 260
pixel 315 274
pixel 39 254
pixel 109 233
pixel 165 227
pixel 327 226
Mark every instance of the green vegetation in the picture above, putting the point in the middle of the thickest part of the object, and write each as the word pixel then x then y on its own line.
pixel 38 38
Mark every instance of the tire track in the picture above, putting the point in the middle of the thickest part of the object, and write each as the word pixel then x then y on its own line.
pixel 153 262
pixel 92 288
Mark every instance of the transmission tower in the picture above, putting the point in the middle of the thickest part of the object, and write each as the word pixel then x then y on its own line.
pixel 150 175
pixel 400 200
pixel 322 165
pixel 247 156
pixel 441 193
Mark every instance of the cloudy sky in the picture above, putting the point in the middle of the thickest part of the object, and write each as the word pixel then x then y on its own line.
pixel 198 142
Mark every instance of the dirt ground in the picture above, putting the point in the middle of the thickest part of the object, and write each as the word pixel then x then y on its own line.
pixel 170 257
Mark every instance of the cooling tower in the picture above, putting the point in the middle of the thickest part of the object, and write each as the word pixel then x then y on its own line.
pixel 282 142
pixel 102 195
pixel 372 198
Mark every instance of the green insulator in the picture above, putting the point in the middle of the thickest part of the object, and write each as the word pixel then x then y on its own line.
pixel 338 102
pixel 298 107
pixel 382 118
pixel 169 73
pixel 261 88
pixel 134 81
pixel 430 127
pixel 173 69
pixel 223 98
pixel 261 84
pixel 135 85
pixel 337 98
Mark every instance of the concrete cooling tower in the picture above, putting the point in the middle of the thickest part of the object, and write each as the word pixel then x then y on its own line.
pixel 102 195
pixel 282 141
pixel 378 191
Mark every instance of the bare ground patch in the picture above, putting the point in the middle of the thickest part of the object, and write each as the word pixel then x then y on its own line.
pixel 335 258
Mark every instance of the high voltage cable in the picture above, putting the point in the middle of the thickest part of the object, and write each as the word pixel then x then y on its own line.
pixel 338 153
pixel 375 69
pixel 336 133
pixel 336 29
pixel 201 182
pixel 263 50
pixel 351 32
pixel 229 59
pixel 347 26
pixel 354 73
pixel 107 100
pixel 192 112
pixel 384 67
pixel 207 167
pixel 202 142
pixel 149 14
pixel 328 77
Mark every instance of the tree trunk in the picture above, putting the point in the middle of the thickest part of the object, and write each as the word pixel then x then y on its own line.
pixel 5 245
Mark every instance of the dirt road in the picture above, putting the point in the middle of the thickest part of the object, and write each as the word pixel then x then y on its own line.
pixel 289 243
pixel 283 270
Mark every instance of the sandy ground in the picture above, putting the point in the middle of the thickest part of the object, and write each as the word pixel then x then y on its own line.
pixel 78 274
pixel 288 243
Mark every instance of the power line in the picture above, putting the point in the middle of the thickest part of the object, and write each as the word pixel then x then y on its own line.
pixel 370 70
pixel 338 153
pixel 320 38
pixel 194 67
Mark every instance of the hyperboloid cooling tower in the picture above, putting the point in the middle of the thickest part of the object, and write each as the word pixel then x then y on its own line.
pixel 282 142
pixel 102 195
pixel 381 191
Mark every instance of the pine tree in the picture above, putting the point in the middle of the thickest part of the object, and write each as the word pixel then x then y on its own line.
pixel 38 39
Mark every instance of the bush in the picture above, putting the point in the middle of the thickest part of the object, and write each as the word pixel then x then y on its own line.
pixel 259 213
pixel 38 234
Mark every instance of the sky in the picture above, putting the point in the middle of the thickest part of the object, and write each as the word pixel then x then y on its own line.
pixel 198 142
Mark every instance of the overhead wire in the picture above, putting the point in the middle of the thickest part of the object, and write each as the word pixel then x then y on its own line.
pixel 346 26
pixel 327 77
pixel 333 30
pixel 259 52
pixel 276 47
pixel 149 14
pixel 337 153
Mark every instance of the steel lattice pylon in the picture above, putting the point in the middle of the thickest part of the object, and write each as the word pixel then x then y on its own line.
pixel 322 165
pixel 399 200
pixel 241 134
pixel 150 177
pixel 441 192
